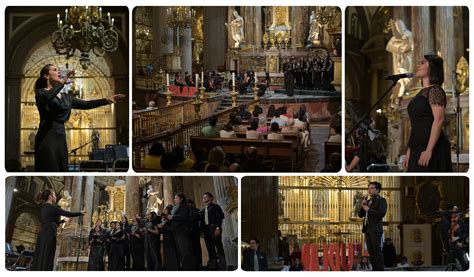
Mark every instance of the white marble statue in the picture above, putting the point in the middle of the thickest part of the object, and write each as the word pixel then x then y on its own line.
pixel 314 26
pixel 401 47
pixel 237 29
pixel 154 202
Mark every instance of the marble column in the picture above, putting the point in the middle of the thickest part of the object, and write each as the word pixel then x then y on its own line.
pixel 161 31
pixel 186 51
pixel 13 117
pixel 422 35
pixel 223 188
pixel 249 24
pixel 168 191
pixel 76 197
pixel 260 213
pixel 88 201
pixel 132 196
pixel 445 38
pixel 258 33
pixel 297 26
pixel 215 36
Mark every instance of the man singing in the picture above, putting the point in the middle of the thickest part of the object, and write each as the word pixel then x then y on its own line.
pixel 373 209
pixel 212 217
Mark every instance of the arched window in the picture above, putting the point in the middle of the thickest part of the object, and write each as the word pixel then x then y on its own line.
pixel 94 83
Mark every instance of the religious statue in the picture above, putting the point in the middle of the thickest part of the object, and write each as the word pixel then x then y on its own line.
pixel 237 29
pixel 313 37
pixel 462 75
pixel 65 204
pixel 154 201
pixel 281 200
pixel 401 47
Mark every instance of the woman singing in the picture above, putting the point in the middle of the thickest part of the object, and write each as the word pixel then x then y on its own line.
pixel 54 107
pixel 428 147
pixel 97 237
pixel 50 219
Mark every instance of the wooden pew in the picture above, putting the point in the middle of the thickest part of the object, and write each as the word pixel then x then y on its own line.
pixel 266 148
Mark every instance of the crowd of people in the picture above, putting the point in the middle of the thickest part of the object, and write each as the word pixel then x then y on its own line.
pixel 166 241
pixel 256 124
pixel 310 73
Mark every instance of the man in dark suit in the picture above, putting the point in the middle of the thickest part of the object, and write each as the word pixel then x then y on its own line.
pixel 373 209
pixel 212 217
pixel 254 259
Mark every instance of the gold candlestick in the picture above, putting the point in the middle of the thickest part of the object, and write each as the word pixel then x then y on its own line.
pixel 168 94
pixel 202 92
pixel 197 108
pixel 234 94
pixel 255 93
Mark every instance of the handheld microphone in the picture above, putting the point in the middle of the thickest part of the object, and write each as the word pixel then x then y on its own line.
pixel 399 76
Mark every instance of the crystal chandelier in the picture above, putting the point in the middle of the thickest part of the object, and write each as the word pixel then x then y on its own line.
pixel 181 18
pixel 84 29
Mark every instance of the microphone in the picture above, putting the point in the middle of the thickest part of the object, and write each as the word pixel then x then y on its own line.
pixel 96 137
pixel 399 76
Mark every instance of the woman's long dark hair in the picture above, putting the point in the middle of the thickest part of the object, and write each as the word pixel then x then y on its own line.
pixel 42 82
pixel 183 197
pixel 435 69
pixel 43 196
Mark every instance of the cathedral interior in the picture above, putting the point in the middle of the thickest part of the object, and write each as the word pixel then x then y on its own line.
pixel 29 47
pixel 175 46
pixel 323 210
pixel 371 55
pixel 108 198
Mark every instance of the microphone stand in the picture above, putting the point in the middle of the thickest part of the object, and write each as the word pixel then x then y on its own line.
pixel 363 159
pixel 74 151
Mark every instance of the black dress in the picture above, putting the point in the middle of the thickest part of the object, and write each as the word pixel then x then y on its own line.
pixel 170 254
pixel 51 154
pixel 117 254
pixel 421 117
pixel 137 248
pixel 96 253
pixel 46 242
pixel 181 225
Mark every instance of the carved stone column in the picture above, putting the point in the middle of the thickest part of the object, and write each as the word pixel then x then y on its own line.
pixel 297 26
pixel 226 195
pixel 258 33
pixel 167 191
pixel 249 34
pixel 162 34
pixel 445 41
pixel 76 197
pixel 422 36
pixel 215 36
pixel 186 51
pixel 260 213
pixel 132 195
pixel 88 201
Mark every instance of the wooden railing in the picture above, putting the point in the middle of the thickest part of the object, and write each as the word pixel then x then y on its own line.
pixel 180 134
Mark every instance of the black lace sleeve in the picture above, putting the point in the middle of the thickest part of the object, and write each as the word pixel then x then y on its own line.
pixel 437 96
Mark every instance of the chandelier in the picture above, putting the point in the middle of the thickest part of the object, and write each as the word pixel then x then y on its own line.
pixel 84 29
pixel 181 18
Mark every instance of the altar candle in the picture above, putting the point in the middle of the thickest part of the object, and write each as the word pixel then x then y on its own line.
pixel 108 16
pixel 112 25
pixel 65 15
pixel 202 78
pixel 60 23
pixel 233 79
pixel 167 79
pixel 256 80
pixel 197 80
pixel 100 12
pixel 58 18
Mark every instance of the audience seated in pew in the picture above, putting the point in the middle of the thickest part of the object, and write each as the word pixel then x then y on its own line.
pixel 252 132
pixel 237 124
pixel 262 125
pixel 227 131
pixel 211 131
pixel 252 163
pixel 277 118
pixel 184 164
pixel 275 132
pixel 216 157
pixel 153 159
pixel 334 163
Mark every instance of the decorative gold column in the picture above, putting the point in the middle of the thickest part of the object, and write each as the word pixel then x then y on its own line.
pixel 117 201
pixel 445 42
pixel 132 195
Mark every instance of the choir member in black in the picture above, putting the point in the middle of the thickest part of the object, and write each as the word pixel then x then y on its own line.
pixel 54 107
pixel 50 219
pixel 170 254
pixel 152 237
pixel 126 243
pixel 212 217
pixel 97 240
pixel 195 233
pixel 181 225
pixel 327 73
pixel 289 78
pixel 136 245
pixel 116 254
